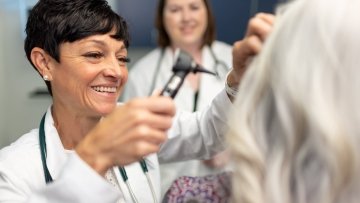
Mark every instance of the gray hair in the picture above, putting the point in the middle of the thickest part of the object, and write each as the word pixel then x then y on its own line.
pixel 295 134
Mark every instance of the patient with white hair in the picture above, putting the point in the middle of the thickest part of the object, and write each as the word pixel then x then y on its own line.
pixel 295 133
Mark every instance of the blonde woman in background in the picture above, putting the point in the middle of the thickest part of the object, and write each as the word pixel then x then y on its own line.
pixel 295 134
pixel 189 25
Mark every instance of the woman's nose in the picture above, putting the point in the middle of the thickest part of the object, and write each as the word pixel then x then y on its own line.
pixel 186 15
pixel 113 69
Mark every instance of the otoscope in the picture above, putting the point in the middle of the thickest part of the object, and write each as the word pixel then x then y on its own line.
pixel 183 66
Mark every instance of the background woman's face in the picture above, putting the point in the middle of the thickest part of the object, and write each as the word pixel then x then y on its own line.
pixel 185 22
pixel 91 74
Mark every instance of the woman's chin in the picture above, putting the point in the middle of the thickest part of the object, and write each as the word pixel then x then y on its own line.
pixel 106 109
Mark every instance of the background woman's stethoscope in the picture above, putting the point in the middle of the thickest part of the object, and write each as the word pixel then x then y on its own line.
pixel 183 66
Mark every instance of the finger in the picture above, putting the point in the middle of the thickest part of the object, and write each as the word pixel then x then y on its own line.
pixel 143 148
pixel 259 26
pixel 156 92
pixel 254 44
pixel 133 118
pixel 158 121
pixel 140 142
pixel 138 135
pixel 134 152
pixel 247 47
pixel 160 105
pixel 148 134
pixel 267 17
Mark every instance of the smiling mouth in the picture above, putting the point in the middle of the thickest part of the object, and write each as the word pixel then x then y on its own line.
pixel 104 89
pixel 187 29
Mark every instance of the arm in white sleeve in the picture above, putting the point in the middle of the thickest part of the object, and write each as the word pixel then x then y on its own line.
pixel 78 182
pixel 198 135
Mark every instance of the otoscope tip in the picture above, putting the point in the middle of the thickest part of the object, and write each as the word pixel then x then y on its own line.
pixel 203 70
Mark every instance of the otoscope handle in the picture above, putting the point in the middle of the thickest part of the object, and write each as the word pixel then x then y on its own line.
pixel 173 85
pixel 183 66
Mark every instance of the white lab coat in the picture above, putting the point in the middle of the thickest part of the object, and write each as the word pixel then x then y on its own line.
pixel 22 178
pixel 142 79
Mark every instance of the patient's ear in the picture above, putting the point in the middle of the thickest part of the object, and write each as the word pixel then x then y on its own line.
pixel 42 62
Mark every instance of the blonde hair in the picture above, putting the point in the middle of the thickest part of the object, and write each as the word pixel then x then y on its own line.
pixel 295 134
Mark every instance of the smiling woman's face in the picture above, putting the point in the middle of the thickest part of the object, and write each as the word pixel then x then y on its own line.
pixel 185 21
pixel 90 76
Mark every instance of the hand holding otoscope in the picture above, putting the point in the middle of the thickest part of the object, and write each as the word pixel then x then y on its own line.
pixel 183 66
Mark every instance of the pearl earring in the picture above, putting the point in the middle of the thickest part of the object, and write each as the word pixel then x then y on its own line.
pixel 46 78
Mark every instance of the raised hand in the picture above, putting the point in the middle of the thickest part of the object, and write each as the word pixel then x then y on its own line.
pixel 259 27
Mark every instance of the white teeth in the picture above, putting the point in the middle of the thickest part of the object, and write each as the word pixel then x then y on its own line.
pixel 105 89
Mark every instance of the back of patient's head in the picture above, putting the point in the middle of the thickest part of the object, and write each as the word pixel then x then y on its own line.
pixel 52 22
pixel 296 130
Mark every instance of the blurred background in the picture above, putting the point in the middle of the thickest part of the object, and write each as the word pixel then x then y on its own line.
pixel 23 95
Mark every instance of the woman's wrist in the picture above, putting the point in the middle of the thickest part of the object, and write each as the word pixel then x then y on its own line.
pixel 99 163
pixel 231 84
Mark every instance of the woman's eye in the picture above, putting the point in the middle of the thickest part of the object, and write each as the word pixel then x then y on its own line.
pixel 123 60
pixel 194 8
pixel 94 55
pixel 174 9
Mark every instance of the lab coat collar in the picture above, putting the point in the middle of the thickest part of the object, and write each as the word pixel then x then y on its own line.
pixel 168 57
pixel 56 154
pixel 208 59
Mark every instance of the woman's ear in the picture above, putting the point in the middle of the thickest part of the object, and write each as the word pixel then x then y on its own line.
pixel 41 61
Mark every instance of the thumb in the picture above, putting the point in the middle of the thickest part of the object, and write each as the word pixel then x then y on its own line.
pixel 156 93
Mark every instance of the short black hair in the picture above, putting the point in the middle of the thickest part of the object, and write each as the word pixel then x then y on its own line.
pixel 52 22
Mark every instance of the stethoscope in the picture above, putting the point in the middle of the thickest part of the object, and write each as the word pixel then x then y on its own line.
pixel 220 68
pixel 49 179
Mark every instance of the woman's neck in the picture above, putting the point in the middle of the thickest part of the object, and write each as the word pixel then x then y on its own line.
pixel 196 54
pixel 71 127
pixel 194 51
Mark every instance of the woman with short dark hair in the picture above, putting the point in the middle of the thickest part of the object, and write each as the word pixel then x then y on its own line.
pixel 88 148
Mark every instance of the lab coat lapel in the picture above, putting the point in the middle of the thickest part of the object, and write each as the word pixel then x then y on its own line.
pixel 210 85
pixel 56 156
